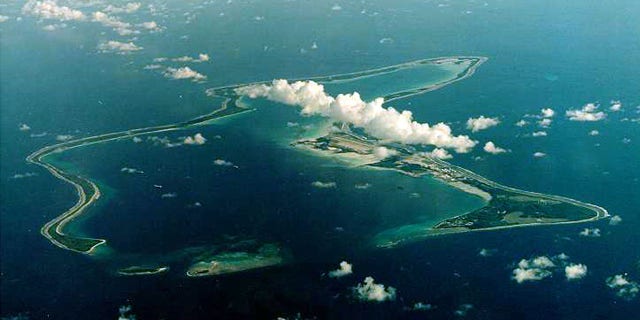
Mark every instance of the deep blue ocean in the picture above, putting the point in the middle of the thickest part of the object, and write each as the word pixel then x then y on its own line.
pixel 545 53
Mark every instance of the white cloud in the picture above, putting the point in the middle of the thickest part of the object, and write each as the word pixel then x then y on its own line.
pixel 38 135
pixel 481 123
pixel 3 18
pixel 575 271
pixel 371 291
pixel 382 123
pixel 420 306
pixel 615 106
pixel 119 47
pixel 324 185
pixel 587 113
pixel 131 170
pixel 533 269
pixel 125 313
pixel 545 123
pixel 539 134
pixel 168 195
pixel 24 127
pixel 223 163
pixel 594 132
pixel 54 27
pixel 23 175
pixel 486 252
pixel 362 186
pixel 383 152
pixel 202 57
pixel 150 25
pixel 615 220
pixel 130 7
pixel 136 139
pixel 49 9
pixel 122 28
pixel 336 7
pixel 152 67
pixel 539 154
pixel 197 139
pixel 64 137
pixel 184 73
pixel 624 287
pixel 438 153
pixel 490 147
pixel 344 270
pixel 547 112
pixel 592 233
pixel 463 309
pixel 521 123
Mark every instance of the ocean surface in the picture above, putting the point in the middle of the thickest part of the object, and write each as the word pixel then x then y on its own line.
pixel 561 55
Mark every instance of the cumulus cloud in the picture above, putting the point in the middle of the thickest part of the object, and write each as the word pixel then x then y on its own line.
pixel 368 290
pixel 463 309
pixel 64 137
pixel 168 195
pixel 202 57
pixel 130 7
pixel 49 9
pixel 421 306
pixel 122 28
pixel 545 122
pixel 539 134
pixel 345 269
pixel 150 25
pixel 118 47
pixel 542 267
pixel 24 127
pixel 379 122
pixel 594 132
pixel 184 73
pixel 521 123
pixel 623 287
pixel 490 147
pixel 23 175
pixel 533 269
pixel 487 252
pixel 547 112
pixel 324 185
pixel 615 220
pixel 197 139
pixel 588 112
pixel 481 123
pixel 131 170
pixel 223 163
pixel 3 18
pixel 438 153
pixel 591 233
pixel 383 152
pixel 615 106
pixel 362 186
pixel 539 154
pixel 575 271
pixel 125 313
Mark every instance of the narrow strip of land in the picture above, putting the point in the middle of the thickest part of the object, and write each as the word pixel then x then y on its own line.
pixel 88 192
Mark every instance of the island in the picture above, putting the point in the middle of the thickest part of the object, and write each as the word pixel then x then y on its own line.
pixel 505 207
pixel 88 192
pixel 142 270
pixel 229 262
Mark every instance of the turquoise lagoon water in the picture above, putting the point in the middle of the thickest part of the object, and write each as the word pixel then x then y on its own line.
pixel 560 55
